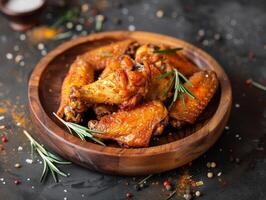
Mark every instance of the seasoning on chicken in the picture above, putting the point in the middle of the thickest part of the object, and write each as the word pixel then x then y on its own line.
pixel 99 57
pixel 203 86
pixel 166 61
pixel 125 87
pixel 133 128
pixel 79 74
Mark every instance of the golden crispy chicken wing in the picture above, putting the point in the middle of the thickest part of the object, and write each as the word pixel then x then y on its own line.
pixel 79 74
pixel 125 86
pixel 166 61
pixel 133 128
pixel 204 85
pixel 99 57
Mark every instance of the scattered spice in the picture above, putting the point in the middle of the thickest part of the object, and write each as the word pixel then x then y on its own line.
pixel 213 164
pixel 197 193
pixel 4 139
pixel 17 182
pixel 17 165
pixel 210 175
pixel 167 185
pixel 159 13
pixel 129 195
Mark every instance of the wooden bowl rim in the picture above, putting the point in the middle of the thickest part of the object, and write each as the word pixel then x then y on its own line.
pixel 55 131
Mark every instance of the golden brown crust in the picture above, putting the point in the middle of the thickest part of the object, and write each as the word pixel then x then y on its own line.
pixel 79 74
pixel 204 85
pixel 133 128
pixel 125 86
pixel 99 57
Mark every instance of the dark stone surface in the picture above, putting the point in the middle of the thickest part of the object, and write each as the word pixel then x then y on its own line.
pixel 241 51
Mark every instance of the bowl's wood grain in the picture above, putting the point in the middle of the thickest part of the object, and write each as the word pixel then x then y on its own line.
pixel 169 152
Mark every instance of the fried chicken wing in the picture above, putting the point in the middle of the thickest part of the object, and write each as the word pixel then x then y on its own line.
pixel 133 128
pixel 79 74
pixel 203 86
pixel 99 57
pixel 125 86
pixel 166 61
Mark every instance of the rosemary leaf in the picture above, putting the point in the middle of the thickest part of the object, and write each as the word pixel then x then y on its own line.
pixel 44 172
pixel 48 158
pixel 165 75
pixel 171 195
pixel 258 85
pixel 145 179
pixel 81 131
pixel 179 88
pixel 166 51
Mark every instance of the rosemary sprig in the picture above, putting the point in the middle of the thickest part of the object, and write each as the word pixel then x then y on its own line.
pixel 68 15
pixel 179 89
pixel 82 131
pixel 166 51
pixel 49 159
pixel 171 195
pixel 142 182
pixel 145 179
pixel 257 85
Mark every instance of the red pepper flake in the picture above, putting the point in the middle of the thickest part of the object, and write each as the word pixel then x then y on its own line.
pixel 165 183
pixel 251 55
pixel 4 139
pixel 248 81
pixel 17 182
pixel 129 195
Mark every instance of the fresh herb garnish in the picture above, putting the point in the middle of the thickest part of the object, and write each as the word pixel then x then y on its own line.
pixel 179 88
pixel 171 195
pixel 68 15
pixel 49 159
pixel 256 84
pixel 82 131
pixel 166 51
pixel 142 182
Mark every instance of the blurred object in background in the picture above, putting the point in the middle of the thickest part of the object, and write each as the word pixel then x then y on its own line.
pixel 23 14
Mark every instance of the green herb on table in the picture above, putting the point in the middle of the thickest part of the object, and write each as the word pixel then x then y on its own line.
pixel 255 84
pixel 49 160
pixel 68 15
pixel 82 131
pixel 142 182
pixel 171 195
pixel 179 89
pixel 167 51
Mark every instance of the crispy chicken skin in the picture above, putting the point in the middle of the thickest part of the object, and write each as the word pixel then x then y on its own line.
pixel 126 86
pixel 102 109
pixel 204 85
pixel 133 128
pixel 166 62
pixel 79 74
pixel 99 57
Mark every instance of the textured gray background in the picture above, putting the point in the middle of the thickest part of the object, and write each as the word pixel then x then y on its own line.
pixel 242 26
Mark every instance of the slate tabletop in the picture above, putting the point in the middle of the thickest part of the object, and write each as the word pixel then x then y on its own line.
pixel 233 32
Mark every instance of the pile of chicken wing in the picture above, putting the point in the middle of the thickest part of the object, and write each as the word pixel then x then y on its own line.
pixel 119 82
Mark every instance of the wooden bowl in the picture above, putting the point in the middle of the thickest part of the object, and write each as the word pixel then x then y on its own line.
pixel 172 151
